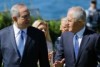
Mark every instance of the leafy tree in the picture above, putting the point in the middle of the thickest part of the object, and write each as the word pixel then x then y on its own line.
pixel 54 27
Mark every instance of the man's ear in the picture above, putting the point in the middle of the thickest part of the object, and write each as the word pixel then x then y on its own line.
pixel 14 18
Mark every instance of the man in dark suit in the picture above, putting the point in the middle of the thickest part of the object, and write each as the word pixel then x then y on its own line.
pixel 20 44
pixel 80 47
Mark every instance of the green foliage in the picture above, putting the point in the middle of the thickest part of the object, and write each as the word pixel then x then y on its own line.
pixel 54 27
pixel 5 20
pixel 32 19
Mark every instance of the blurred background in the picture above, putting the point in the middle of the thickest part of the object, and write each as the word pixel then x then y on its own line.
pixel 47 9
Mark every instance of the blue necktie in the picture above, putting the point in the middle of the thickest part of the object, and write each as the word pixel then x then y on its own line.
pixel 76 46
pixel 20 43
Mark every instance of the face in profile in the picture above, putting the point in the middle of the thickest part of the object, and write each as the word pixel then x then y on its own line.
pixel 72 23
pixel 24 18
pixel 64 26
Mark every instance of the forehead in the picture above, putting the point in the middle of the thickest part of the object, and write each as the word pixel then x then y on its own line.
pixel 70 14
pixel 23 9
pixel 64 19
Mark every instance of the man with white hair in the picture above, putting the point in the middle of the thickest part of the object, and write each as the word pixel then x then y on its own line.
pixel 20 44
pixel 80 47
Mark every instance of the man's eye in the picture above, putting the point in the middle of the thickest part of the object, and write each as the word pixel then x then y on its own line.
pixel 26 16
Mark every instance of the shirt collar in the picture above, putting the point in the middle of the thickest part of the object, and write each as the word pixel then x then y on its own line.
pixel 16 29
pixel 80 33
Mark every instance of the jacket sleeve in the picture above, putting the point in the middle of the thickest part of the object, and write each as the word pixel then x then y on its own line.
pixel 43 52
pixel 59 54
pixel 97 47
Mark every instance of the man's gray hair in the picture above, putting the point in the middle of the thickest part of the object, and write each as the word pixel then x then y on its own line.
pixel 14 10
pixel 79 13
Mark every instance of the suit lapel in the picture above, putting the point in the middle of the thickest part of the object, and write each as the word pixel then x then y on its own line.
pixel 28 39
pixel 84 42
pixel 72 47
pixel 12 39
pixel 83 45
pixel 27 44
pixel 69 45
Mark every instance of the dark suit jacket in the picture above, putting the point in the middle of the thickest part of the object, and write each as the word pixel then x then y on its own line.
pixel 89 52
pixel 35 49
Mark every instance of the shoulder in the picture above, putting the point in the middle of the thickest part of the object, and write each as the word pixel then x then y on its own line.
pixel 34 31
pixel 68 33
pixel 91 33
pixel 5 30
pixel 87 11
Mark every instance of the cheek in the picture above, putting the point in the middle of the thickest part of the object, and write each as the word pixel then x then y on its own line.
pixel 71 26
pixel 20 21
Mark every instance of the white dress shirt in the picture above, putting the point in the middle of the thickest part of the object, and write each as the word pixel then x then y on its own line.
pixel 80 36
pixel 16 32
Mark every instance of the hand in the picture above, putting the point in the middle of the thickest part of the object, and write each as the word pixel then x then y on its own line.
pixel 59 63
pixel 50 55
